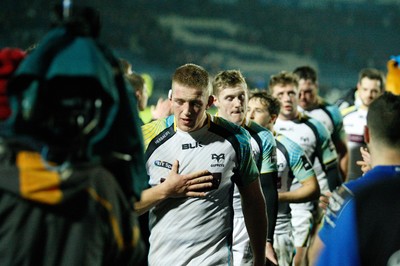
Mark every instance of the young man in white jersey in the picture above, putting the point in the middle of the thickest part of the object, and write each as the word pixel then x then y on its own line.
pixel 230 97
pixel 198 230
pixel 315 139
pixel 292 164
pixel 311 104
pixel 370 85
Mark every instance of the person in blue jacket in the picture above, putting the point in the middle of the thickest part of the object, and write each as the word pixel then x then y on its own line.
pixel 363 215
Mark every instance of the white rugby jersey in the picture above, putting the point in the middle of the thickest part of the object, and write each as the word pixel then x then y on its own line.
pixel 315 140
pixel 264 151
pixel 292 164
pixel 313 137
pixel 188 230
pixel 330 116
pixel 354 122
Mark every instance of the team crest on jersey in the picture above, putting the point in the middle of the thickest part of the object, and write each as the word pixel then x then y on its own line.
pixel 163 164
pixel 281 167
pixel 219 159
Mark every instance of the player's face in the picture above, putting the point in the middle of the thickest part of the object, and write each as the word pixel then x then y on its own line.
pixel 189 106
pixel 232 104
pixel 368 90
pixel 287 95
pixel 307 94
pixel 258 112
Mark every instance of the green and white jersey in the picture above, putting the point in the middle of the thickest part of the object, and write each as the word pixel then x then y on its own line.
pixel 264 151
pixel 314 138
pixel 263 145
pixel 292 164
pixel 188 230
pixel 330 116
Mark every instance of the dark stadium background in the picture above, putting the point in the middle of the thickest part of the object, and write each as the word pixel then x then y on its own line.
pixel 259 37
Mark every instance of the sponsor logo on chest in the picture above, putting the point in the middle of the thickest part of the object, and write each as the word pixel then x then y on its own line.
pixel 189 146
pixel 163 164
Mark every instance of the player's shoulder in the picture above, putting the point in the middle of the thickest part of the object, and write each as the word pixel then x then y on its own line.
pixel 285 140
pixel 156 126
pixel 152 129
pixel 375 175
pixel 349 110
pixel 292 148
pixel 256 128
pixel 318 125
pixel 331 108
pixel 224 127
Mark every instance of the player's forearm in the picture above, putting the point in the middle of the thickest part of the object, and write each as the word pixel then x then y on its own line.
pixel 308 191
pixel 341 150
pixel 344 166
pixel 302 194
pixel 256 224
pixel 150 198
pixel 333 176
pixel 253 206
pixel 269 188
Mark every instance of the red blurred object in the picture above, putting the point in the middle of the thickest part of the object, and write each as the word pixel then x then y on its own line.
pixel 10 58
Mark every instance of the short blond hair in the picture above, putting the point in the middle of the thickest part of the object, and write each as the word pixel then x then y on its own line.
pixel 283 78
pixel 194 76
pixel 228 78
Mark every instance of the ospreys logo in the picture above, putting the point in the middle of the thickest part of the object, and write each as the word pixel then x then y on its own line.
pixel 219 159
pixel 281 167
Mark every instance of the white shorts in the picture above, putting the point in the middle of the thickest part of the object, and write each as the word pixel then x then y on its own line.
pixel 302 223
pixel 242 254
pixel 284 248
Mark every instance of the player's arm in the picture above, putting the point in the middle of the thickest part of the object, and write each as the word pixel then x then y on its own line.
pixel 344 166
pixel 253 206
pixel 329 159
pixel 333 175
pixel 270 191
pixel 175 185
pixel 341 149
pixel 269 188
pixel 269 183
pixel 339 140
pixel 307 192
pixel 327 155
